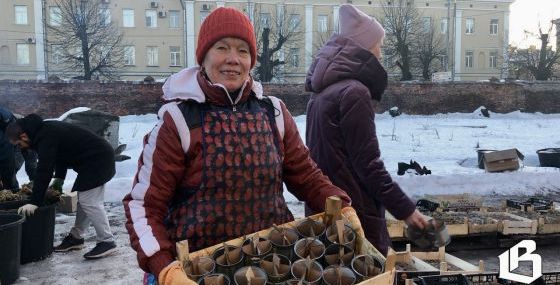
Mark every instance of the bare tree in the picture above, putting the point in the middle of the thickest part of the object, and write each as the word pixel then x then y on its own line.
pixel 274 31
pixel 401 22
pixel 539 62
pixel 427 46
pixel 87 41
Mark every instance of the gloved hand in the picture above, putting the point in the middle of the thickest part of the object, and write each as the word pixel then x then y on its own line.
pixel 27 209
pixel 57 184
pixel 350 214
pixel 173 274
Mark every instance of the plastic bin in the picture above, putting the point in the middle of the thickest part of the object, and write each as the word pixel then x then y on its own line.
pixel 10 246
pixel 37 231
pixel 480 155
pixel 549 157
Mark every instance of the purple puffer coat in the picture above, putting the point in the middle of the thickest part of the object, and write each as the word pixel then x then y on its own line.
pixel 344 78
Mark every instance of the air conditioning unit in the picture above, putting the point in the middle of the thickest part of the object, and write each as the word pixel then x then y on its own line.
pixel 105 1
pixel 162 14
pixel 206 7
pixel 154 4
pixel 30 40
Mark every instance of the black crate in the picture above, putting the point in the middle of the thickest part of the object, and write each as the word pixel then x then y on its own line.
pixel 550 278
pixel 455 279
pixel 401 276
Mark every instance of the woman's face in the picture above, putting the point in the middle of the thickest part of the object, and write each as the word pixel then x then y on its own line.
pixel 376 50
pixel 228 62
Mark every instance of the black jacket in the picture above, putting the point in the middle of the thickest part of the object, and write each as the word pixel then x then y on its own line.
pixel 6 148
pixel 60 146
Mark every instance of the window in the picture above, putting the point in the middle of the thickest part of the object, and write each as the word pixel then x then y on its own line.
pixel 322 23
pixel 56 54
pixel 4 55
pixel 22 54
pixel 444 25
pixel 105 16
pixel 294 57
pixel 129 55
pixel 493 59
pixel 295 21
pixel 128 18
pixel 21 14
pixel 174 56
pixel 468 59
pixel 265 20
pixel 152 56
pixel 55 17
pixel 203 15
pixel 469 26
pixel 151 18
pixel 174 20
pixel 494 26
pixel 427 23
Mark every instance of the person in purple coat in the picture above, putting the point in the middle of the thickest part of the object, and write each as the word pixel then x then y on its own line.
pixel 344 78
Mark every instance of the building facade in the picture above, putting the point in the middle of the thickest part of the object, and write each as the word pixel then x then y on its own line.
pixel 160 35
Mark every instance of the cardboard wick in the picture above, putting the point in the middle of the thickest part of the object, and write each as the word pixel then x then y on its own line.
pixel 282 232
pixel 226 254
pixel 340 233
pixel 338 275
pixel 255 241
pixel 275 264
pixel 249 274
pixel 182 248
pixel 312 229
pixel 308 263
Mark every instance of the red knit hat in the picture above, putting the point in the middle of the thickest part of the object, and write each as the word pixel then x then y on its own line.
pixel 225 22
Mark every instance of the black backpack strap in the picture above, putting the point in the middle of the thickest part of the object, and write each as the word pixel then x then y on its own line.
pixel 274 110
pixel 191 111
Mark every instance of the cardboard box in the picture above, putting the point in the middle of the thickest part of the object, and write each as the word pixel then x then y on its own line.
pixel 68 202
pixel 502 160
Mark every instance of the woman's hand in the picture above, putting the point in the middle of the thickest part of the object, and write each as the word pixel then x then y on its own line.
pixel 416 220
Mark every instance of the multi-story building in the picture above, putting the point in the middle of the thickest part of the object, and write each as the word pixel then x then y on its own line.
pixel 160 35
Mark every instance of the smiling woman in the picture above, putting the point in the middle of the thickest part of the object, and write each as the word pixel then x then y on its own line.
pixel 212 169
pixel 228 63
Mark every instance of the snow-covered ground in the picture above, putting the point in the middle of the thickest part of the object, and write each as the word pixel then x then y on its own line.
pixel 444 143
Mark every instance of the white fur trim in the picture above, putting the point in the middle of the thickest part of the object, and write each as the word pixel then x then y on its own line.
pixel 280 118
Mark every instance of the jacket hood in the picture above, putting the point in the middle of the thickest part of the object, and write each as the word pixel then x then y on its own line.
pixel 184 85
pixel 31 124
pixel 341 58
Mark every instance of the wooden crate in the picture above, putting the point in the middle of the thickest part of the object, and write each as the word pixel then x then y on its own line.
pixel 394 227
pixel 455 228
pixel 543 226
pixel 547 228
pixel 363 246
pixel 489 226
pixel 418 261
pixel 445 260
pixel 510 224
pixel 457 201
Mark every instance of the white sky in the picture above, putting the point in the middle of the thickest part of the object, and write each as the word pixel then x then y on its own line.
pixel 526 15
